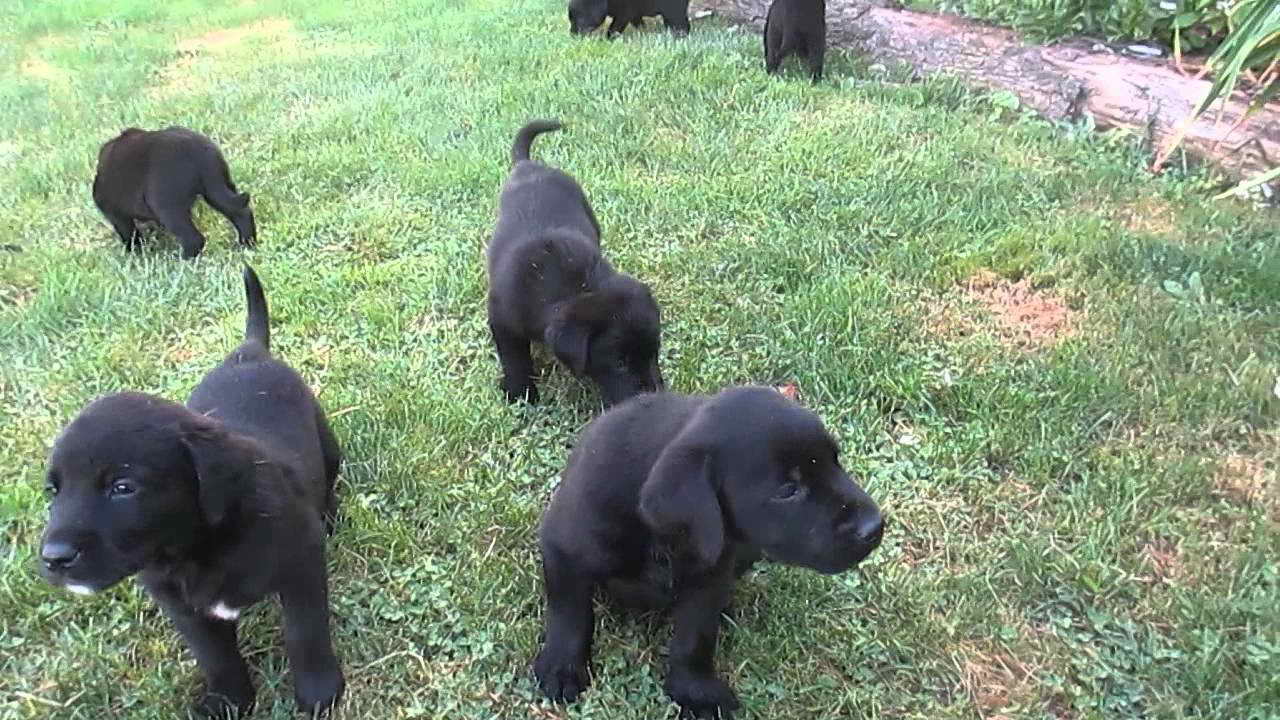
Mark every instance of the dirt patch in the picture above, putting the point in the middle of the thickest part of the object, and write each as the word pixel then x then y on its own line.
pixel 274 30
pixel 184 75
pixel 997 680
pixel 269 39
pixel 1148 216
pixel 1250 479
pixel 42 69
pixel 1025 317
pixel 1165 561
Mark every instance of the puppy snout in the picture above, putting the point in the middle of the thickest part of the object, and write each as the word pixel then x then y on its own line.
pixel 867 525
pixel 59 556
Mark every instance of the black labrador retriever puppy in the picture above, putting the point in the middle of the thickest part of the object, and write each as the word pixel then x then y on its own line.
pixel 213 505
pixel 155 175
pixel 796 26
pixel 587 15
pixel 666 499
pixel 548 282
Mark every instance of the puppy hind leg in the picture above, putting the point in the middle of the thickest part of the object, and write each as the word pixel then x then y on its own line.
pixel 816 52
pixel 561 665
pixel 177 220
pixel 228 689
pixel 318 682
pixel 332 464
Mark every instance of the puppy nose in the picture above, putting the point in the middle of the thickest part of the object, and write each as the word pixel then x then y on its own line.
pixel 868 527
pixel 59 555
pixel 871 528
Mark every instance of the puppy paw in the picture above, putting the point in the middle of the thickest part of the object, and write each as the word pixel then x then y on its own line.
pixel 516 392
pixel 220 706
pixel 318 692
pixel 701 696
pixel 560 680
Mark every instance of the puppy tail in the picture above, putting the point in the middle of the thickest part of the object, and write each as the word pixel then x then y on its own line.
pixel 524 138
pixel 257 325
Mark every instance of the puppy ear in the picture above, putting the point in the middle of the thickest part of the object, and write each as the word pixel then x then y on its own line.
pixel 679 499
pixel 569 334
pixel 225 464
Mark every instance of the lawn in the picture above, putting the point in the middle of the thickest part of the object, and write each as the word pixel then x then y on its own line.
pixel 1056 373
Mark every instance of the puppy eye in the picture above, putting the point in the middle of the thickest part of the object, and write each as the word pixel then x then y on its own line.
pixel 50 489
pixel 787 491
pixel 122 488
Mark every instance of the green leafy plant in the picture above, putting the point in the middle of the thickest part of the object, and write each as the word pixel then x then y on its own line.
pixel 1252 44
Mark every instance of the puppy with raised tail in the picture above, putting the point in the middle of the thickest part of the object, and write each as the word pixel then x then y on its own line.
pixel 799 27
pixel 549 283
pixel 214 505
pixel 156 175
pixel 666 499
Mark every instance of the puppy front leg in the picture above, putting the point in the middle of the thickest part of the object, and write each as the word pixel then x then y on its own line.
pixel 517 365
pixel 228 689
pixel 304 598
pixel 561 666
pixel 691 677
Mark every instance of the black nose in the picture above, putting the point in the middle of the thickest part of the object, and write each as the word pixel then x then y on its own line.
pixel 59 555
pixel 871 528
pixel 867 526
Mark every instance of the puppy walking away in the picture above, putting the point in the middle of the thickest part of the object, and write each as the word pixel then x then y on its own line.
pixel 799 27
pixel 155 175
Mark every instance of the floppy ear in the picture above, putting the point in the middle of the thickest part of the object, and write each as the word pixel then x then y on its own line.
pixel 569 334
pixel 225 464
pixel 679 498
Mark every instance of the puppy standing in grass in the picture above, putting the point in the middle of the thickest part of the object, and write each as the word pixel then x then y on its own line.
pixel 796 26
pixel 214 505
pixel 155 175
pixel 587 15
pixel 666 499
pixel 549 283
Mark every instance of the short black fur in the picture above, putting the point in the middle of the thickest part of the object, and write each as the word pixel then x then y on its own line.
pixel 155 176
pixel 214 506
pixel 665 500
pixel 587 15
pixel 799 27
pixel 548 282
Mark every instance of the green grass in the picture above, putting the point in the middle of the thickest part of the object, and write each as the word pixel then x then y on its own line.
pixel 1068 539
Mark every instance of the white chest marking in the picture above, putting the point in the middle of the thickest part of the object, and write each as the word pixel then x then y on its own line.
pixel 80 589
pixel 222 612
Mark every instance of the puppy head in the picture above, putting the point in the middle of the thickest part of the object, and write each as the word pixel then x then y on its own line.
pixel 611 335
pixel 586 15
pixel 136 480
pixel 753 467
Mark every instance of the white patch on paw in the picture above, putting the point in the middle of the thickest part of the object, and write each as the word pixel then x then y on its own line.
pixel 80 589
pixel 222 612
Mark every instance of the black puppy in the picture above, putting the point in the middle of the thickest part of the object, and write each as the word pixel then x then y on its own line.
pixel 668 497
pixel 155 175
pixel 548 282
pixel 796 26
pixel 214 505
pixel 587 15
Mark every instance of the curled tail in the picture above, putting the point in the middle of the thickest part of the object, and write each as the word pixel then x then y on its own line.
pixel 257 325
pixel 524 138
